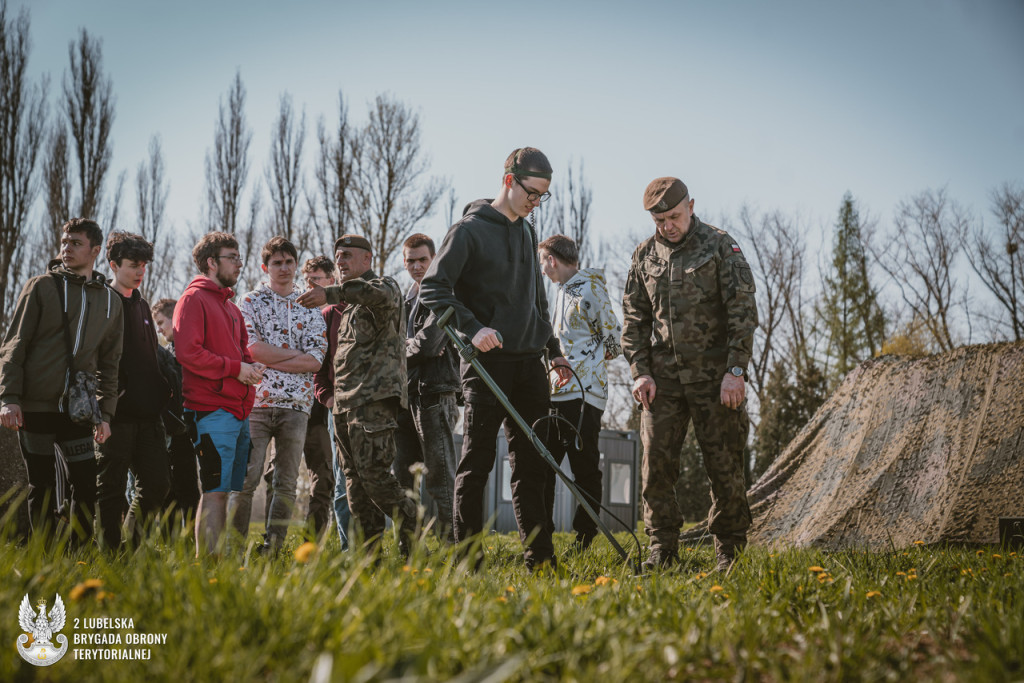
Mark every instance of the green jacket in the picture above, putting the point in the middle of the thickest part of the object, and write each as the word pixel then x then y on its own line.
pixel 33 359
pixel 688 308
pixel 369 364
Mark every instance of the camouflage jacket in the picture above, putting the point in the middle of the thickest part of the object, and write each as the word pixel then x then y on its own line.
pixel 688 308
pixel 369 364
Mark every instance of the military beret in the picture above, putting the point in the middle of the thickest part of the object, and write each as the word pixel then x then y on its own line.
pixel 663 194
pixel 357 241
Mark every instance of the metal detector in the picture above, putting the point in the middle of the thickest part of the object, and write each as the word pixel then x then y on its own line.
pixel 469 353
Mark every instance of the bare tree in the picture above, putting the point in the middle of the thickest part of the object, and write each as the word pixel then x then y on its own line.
pixel 151 191
pixel 921 256
pixel 995 255
pixel 393 195
pixel 23 114
pixel 284 175
pixel 227 164
pixel 778 248
pixel 89 108
pixel 57 179
pixel 572 214
pixel 227 169
pixel 330 203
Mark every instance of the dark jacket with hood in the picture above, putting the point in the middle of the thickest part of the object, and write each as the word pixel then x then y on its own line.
pixel 144 391
pixel 211 344
pixel 432 362
pixel 33 360
pixel 487 269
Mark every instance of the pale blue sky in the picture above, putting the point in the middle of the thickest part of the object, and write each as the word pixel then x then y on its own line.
pixel 782 104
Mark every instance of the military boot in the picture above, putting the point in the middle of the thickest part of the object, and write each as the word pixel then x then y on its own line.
pixel 660 557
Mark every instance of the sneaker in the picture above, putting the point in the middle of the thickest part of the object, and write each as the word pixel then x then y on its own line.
pixel 583 541
pixel 660 558
pixel 535 565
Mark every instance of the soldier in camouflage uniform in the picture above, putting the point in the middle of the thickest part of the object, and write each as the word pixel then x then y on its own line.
pixel 689 317
pixel 369 387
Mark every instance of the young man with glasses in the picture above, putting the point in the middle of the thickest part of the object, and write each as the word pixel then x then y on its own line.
pixel 487 270
pixel 218 376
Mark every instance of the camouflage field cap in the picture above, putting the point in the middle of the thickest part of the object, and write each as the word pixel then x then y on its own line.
pixel 663 194
pixel 357 241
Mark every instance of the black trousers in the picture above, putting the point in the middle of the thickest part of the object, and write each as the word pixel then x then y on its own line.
pixel 141 447
pixel 526 385
pixel 585 460
pixel 61 466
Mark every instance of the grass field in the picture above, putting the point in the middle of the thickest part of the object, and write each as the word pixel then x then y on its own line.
pixel 318 614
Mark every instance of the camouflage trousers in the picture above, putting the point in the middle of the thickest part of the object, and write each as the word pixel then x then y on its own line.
pixel 721 433
pixel 366 441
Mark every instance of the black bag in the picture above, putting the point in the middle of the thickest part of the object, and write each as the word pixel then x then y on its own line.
pixel 206 452
pixel 79 401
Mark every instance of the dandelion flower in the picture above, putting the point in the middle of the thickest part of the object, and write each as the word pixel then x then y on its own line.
pixel 85 589
pixel 604 581
pixel 815 568
pixel 716 589
pixel 212 581
pixel 873 594
pixel 80 562
pixel 502 598
pixel 998 556
pixel 918 542
pixel 901 573
pixel 406 568
pixel 581 589
pixel 304 553
pixel 510 589
pixel 980 552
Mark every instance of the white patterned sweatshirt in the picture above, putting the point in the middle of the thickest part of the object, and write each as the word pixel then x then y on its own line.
pixel 279 321
pixel 585 324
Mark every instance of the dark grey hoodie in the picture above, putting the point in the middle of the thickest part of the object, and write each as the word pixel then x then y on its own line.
pixel 487 269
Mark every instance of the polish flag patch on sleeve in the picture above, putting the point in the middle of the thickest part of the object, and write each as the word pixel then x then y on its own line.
pixel 736 248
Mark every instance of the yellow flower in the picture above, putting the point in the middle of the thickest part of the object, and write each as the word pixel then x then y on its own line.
pixel 502 598
pixel 581 589
pixel 427 570
pixel 213 580
pixel 999 556
pixel 241 569
pixel 80 562
pixel 639 589
pixel 86 588
pixel 873 594
pixel 510 589
pixel 918 542
pixel 981 552
pixel 911 577
pixel 901 573
pixel 304 553
pixel 406 568
pixel 716 589
pixel 815 568
pixel 604 581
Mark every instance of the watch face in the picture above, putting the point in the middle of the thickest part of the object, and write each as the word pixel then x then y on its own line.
pixel 737 371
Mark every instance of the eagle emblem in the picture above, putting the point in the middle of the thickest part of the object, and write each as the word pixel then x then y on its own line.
pixel 40 628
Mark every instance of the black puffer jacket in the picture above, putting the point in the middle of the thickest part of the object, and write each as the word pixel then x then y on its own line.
pixel 431 359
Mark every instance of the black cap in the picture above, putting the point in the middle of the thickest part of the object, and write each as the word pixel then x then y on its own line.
pixel 357 241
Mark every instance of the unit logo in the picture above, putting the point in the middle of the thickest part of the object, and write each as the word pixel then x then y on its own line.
pixel 39 628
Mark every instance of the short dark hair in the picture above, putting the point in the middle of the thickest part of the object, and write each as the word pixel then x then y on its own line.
pixel 527 159
pixel 278 245
pixel 165 307
pixel 562 248
pixel 209 246
pixel 417 240
pixel 123 245
pixel 322 263
pixel 90 227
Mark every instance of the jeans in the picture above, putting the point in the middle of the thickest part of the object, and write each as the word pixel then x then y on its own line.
pixel 526 385
pixel 342 515
pixel 426 434
pixel 61 465
pixel 142 447
pixel 319 453
pixel 287 429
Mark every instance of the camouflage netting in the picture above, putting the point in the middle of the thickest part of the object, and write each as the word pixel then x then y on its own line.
pixel 905 450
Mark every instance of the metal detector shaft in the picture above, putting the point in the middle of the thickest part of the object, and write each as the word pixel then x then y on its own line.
pixel 469 353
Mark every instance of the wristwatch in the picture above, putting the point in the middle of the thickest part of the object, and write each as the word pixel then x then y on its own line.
pixel 737 371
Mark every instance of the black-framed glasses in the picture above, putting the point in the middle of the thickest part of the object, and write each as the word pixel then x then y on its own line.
pixel 231 257
pixel 530 194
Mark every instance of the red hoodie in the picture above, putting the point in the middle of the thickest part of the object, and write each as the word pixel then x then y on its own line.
pixel 211 344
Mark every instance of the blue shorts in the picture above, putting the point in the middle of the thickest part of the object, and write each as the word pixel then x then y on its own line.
pixel 230 437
